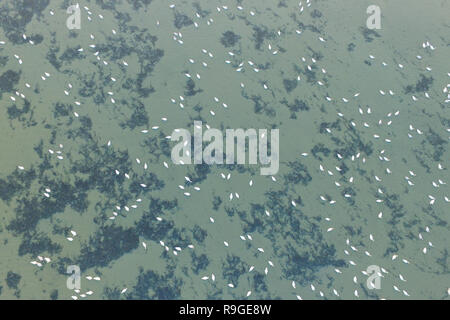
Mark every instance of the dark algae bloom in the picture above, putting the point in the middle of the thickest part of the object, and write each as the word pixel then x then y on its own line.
pixel 320 161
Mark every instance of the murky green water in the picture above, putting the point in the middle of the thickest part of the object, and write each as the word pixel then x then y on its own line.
pixel 310 231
